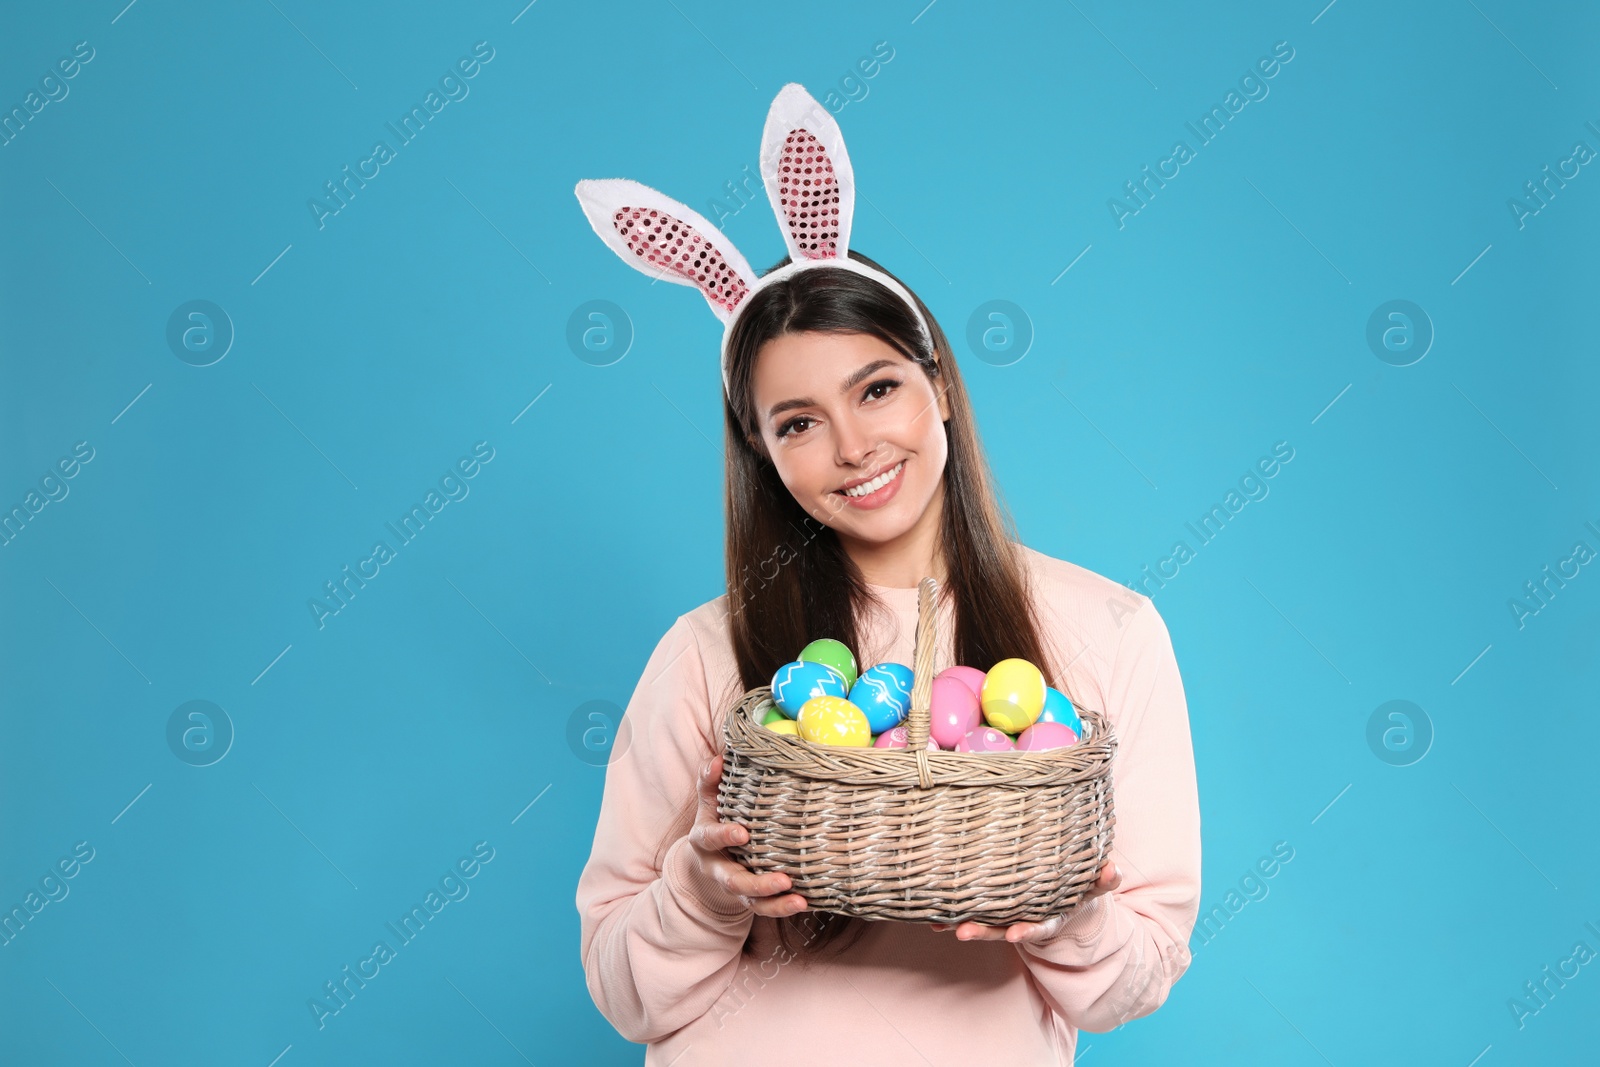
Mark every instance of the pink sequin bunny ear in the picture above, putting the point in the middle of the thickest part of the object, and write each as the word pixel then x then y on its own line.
pixel 663 238
pixel 808 177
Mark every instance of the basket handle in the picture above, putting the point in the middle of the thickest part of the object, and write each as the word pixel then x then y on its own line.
pixel 917 722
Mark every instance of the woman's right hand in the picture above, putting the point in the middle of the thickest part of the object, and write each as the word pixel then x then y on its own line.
pixel 765 894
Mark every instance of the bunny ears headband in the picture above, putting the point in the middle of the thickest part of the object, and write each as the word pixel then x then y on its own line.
pixel 813 193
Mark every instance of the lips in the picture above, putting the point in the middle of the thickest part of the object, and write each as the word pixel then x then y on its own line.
pixel 885 477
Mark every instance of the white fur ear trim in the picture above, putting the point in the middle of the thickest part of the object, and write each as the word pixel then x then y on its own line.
pixel 808 177
pixel 661 237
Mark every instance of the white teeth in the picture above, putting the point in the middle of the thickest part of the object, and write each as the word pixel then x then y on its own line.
pixel 877 483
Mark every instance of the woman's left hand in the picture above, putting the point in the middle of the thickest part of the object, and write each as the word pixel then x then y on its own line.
pixel 1110 878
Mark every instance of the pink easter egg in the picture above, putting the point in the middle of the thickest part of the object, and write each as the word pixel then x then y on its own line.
pixel 972 676
pixel 954 710
pixel 1046 735
pixel 985 739
pixel 895 737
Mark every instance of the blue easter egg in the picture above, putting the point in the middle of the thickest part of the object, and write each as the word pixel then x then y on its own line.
pixel 1057 708
pixel 884 693
pixel 799 681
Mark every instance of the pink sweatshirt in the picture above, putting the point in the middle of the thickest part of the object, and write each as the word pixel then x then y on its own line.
pixel 661 946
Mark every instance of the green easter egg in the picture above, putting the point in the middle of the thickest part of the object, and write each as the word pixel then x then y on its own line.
pixel 834 654
pixel 773 715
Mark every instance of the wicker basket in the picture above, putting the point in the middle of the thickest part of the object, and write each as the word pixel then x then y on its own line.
pixel 919 836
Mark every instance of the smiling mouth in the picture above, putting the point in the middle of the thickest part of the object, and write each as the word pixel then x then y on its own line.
pixel 872 486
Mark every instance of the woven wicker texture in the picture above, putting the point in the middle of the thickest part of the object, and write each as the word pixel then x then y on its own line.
pixel 919 836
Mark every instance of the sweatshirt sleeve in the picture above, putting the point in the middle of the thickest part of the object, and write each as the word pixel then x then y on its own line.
pixel 1117 956
pixel 660 943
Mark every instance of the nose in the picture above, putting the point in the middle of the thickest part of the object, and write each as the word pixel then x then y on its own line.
pixel 853 443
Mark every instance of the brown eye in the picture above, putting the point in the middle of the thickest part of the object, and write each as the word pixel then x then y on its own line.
pixel 789 426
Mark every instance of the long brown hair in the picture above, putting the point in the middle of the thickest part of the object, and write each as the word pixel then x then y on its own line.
pixel 789 578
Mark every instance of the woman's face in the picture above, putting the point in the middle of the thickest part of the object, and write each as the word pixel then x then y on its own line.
pixel 845 411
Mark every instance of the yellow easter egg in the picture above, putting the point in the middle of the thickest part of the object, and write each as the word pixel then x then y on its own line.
pixel 834 721
pixel 1013 695
pixel 784 725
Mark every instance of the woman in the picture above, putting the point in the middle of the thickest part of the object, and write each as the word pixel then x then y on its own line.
pixel 853 470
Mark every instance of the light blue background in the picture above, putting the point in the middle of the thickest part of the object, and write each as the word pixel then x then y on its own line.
pixel 427 315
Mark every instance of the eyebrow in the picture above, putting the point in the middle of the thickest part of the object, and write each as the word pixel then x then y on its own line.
pixel 844 387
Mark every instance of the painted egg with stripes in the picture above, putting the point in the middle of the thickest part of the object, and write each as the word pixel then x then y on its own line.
pixel 799 681
pixel 883 693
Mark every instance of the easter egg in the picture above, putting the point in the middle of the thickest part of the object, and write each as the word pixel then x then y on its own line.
pixel 985 739
pixel 834 721
pixel 799 681
pixel 1013 695
pixel 834 654
pixel 1057 708
pixel 772 716
pixel 896 738
pixel 1042 736
pixel 785 725
pixel 953 711
pixel 884 694
pixel 971 675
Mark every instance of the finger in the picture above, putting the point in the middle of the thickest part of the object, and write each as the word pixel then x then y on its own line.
pixel 777 907
pixel 749 884
pixel 716 836
pixel 1039 931
pixel 1110 878
pixel 710 776
pixel 740 880
pixel 977 932
pixel 1021 931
